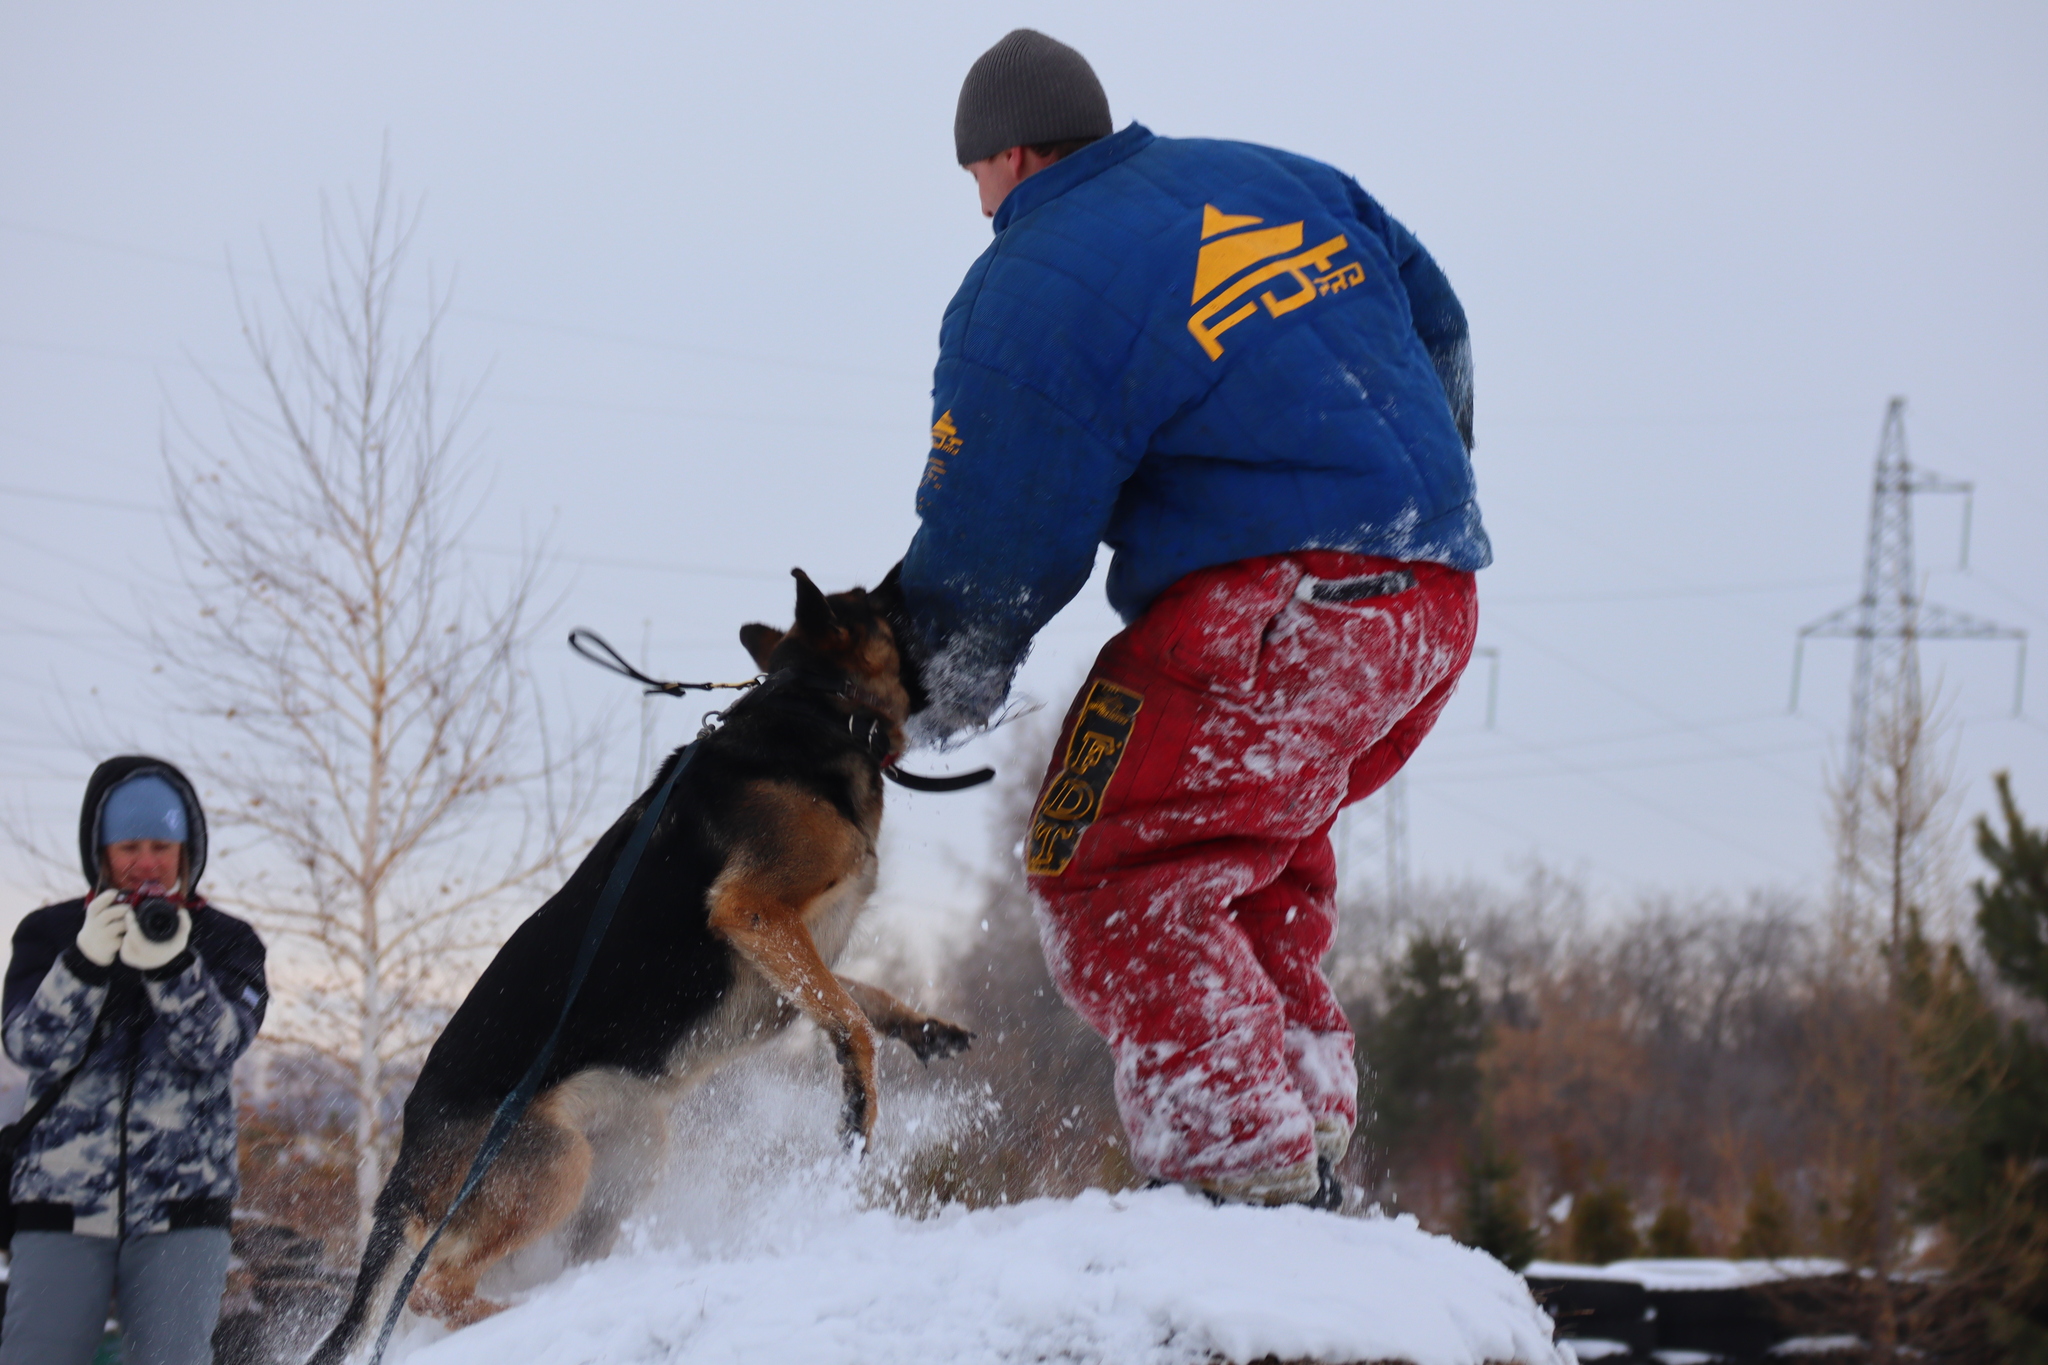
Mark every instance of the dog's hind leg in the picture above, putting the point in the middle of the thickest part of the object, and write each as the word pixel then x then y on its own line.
pixel 766 927
pixel 536 1183
pixel 924 1034
pixel 625 1121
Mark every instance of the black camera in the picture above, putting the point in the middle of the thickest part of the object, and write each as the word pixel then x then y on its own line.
pixel 156 914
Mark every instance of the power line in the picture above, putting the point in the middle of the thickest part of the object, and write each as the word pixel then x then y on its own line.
pixel 105 244
pixel 1636 799
pixel 67 558
pixel 1629 765
pixel 487 399
pixel 82 499
pixel 1609 421
pixel 1428 789
pixel 683 347
pixel 127 357
pixel 1979 576
pixel 1659 594
pixel 780 361
pixel 641 565
pixel 1631 736
pixel 1653 708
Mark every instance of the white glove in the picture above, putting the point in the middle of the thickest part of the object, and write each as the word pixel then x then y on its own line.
pixel 106 920
pixel 143 955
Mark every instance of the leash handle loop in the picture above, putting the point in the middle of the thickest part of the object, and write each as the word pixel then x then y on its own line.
pixel 513 1107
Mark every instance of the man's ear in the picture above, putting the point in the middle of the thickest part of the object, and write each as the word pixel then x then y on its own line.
pixel 814 615
pixel 760 641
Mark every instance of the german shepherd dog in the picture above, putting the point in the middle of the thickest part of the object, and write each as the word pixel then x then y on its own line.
pixel 744 898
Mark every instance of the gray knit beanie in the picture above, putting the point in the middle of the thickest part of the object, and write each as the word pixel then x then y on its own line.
pixel 1026 90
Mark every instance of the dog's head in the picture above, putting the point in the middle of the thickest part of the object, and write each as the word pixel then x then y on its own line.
pixel 856 633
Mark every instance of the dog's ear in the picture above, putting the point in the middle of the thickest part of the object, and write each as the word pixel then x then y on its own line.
pixel 814 615
pixel 760 641
pixel 888 594
pixel 887 598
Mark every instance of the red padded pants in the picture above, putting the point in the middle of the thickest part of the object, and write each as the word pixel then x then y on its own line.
pixel 1180 851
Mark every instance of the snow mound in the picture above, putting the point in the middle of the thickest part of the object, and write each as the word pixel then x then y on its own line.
pixel 767 1244
pixel 1158 1278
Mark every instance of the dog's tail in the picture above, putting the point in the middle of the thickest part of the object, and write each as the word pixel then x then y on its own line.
pixel 396 1235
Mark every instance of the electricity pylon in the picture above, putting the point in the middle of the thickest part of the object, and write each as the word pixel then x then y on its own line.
pixel 1889 620
pixel 1396 794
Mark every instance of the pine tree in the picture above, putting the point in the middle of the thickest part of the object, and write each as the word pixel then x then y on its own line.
pixel 2012 911
pixel 1602 1226
pixel 1983 1164
pixel 1423 1050
pixel 1493 1215
pixel 1671 1235
pixel 1767 1233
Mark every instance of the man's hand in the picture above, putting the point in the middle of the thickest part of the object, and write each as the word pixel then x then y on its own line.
pixel 106 924
pixel 139 952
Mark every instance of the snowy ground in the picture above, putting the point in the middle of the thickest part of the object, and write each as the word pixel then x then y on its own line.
pixel 1691 1273
pixel 764 1253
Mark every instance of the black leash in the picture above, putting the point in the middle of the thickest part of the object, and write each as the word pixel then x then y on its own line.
pixel 513 1107
pixel 588 643
pixel 599 651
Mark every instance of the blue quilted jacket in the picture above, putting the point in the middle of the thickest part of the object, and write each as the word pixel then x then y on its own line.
pixel 1198 352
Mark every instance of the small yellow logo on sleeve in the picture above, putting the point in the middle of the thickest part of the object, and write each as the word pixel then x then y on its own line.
pixel 946 436
pixel 1231 253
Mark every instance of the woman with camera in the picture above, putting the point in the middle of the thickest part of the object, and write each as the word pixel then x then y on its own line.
pixel 128 1007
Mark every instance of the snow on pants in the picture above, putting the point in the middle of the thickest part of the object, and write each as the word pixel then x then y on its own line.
pixel 166 1288
pixel 1180 854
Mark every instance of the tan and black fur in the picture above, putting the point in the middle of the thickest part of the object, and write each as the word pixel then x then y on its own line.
pixel 746 895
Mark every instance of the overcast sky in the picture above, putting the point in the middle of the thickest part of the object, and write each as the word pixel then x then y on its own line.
pixel 699 256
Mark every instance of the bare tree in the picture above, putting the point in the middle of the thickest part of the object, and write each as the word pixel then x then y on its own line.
pixel 1895 834
pixel 381 733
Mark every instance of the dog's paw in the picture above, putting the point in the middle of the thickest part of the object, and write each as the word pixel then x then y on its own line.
pixel 937 1038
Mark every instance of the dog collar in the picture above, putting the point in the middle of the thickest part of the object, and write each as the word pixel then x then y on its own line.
pixel 870 730
pixel 874 738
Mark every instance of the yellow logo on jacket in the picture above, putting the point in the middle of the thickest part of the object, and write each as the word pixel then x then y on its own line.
pixel 945 441
pixel 1072 800
pixel 1227 253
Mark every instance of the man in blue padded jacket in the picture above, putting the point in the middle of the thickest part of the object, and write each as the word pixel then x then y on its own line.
pixel 1229 364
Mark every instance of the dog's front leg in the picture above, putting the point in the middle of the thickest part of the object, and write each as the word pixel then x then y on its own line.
pixel 926 1035
pixel 769 933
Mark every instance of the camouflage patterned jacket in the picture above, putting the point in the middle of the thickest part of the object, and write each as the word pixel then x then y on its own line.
pixel 144 1139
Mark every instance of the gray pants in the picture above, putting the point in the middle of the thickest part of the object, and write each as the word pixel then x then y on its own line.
pixel 167 1287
